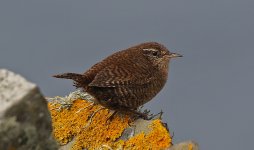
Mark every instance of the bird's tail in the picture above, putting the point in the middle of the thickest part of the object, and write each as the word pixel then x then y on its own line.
pixel 80 80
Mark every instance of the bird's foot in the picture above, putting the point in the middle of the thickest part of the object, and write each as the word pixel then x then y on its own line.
pixel 152 116
pixel 147 116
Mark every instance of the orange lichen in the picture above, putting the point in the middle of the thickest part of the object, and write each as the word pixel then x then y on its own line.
pixel 89 128
pixel 157 138
pixel 190 146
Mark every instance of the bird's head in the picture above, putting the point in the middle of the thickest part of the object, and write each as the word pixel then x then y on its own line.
pixel 158 54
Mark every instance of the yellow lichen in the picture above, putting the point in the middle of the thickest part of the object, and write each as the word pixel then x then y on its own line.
pixel 90 129
pixel 157 138
pixel 190 146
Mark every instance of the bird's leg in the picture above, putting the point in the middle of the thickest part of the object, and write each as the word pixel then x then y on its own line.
pixel 144 115
pixel 111 107
pixel 134 112
pixel 110 118
pixel 140 114
pixel 92 104
pixel 152 116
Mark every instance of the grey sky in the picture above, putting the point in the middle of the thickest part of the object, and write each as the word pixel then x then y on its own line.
pixel 209 96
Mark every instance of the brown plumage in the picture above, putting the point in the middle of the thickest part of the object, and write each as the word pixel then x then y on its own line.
pixel 128 78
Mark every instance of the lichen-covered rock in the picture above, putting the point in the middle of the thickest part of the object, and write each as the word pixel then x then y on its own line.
pixel 25 122
pixel 84 125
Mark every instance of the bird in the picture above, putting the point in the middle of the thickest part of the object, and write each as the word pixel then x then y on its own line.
pixel 127 79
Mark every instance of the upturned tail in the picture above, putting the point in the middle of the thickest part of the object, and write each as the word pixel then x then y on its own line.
pixel 80 80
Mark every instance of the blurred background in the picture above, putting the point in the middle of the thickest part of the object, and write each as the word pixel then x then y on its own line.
pixel 209 97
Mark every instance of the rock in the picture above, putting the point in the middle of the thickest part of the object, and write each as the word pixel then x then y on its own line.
pixel 25 122
pixel 80 124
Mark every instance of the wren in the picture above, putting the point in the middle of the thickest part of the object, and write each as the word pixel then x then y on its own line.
pixel 126 79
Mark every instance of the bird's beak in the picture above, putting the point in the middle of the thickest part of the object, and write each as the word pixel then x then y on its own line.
pixel 173 55
pixel 169 55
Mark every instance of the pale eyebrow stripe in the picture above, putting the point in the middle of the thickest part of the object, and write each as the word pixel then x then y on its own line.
pixel 151 49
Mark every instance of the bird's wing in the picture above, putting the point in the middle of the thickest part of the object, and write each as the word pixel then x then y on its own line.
pixel 113 76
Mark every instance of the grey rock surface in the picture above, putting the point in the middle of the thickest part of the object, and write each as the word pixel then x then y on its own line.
pixel 13 88
pixel 25 122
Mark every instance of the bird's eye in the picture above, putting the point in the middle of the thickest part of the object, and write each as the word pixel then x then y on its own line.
pixel 152 52
pixel 155 53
